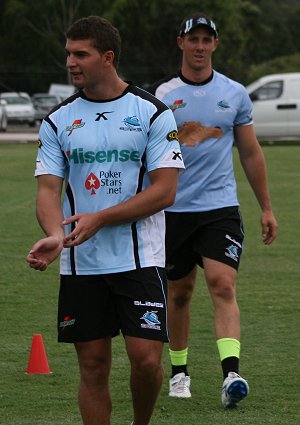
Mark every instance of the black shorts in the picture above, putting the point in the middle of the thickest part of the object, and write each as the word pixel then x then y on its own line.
pixel 97 306
pixel 216 234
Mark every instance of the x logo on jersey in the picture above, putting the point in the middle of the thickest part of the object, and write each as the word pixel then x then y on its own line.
pixel 102 115
pixel 177 155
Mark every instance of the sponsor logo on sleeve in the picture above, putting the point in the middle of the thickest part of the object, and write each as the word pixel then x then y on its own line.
pixel 173 135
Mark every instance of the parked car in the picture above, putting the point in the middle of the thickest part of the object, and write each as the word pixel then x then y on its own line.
pixel 3 116
pixel 276 105
pixel 19 108
pixel 43 103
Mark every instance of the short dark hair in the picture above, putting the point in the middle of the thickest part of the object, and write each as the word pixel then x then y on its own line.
pixel 105 35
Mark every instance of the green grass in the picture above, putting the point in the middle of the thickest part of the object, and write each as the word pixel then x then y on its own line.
pixel 268 292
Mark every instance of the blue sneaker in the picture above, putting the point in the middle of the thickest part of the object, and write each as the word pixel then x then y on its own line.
pixel 234 389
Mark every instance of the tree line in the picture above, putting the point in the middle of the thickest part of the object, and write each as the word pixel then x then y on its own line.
pixel 256 38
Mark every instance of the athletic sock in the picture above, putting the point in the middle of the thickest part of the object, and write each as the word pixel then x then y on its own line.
pixel 229 351
pixel 230 364
pixel 179 361
pixel 179 369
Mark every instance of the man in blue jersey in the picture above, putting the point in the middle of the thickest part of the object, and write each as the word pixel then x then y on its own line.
pixel 204 226
pixel 116 148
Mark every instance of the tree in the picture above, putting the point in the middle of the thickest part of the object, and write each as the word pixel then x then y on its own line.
pixel 251 32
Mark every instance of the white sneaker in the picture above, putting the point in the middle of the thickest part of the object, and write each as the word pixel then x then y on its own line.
pixel 234 389
pixel 179 386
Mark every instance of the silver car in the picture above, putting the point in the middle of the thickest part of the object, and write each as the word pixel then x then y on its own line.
pixel 3 116
pixel 43 103
pixel 19 108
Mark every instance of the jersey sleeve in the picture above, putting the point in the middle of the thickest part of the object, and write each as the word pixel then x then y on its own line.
pixel 163 149
pixel 50 158
pixel 244 115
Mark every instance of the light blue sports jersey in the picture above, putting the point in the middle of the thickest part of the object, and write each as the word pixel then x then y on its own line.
pixel 104 150
pixel 208 181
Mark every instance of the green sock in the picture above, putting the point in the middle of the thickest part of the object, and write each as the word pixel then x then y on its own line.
pixel 179 358
pixel 229 351
pixel 228 347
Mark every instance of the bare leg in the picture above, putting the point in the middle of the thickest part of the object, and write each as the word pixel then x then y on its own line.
pixel 221 281
pixel 146 376
pixel 94 398
pixel 179 299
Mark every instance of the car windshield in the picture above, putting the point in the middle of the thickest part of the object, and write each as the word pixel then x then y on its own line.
pixel 47 100
pixel 15 100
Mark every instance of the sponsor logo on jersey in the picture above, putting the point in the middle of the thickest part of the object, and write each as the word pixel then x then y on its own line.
pixel 39 143
pixel 79 156
pixel 102 115
pixel 111 181
pixel 131 124
pixel 177 104
pixel 151 319
pixel 223 104
pixel 76 124
pixel 173 135
pixel 92 183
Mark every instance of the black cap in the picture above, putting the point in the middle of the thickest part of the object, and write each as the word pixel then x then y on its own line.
pixel 190 23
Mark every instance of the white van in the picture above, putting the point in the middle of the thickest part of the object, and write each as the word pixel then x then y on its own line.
pixel 276 105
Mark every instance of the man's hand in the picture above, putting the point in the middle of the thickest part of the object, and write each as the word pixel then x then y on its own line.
pixel 86 226
pixel 44 252
pixel 269 227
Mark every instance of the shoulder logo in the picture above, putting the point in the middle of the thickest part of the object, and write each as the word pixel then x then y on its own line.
pixel 173 135
pixel 76 124
pixel 179 103
pixel 177 155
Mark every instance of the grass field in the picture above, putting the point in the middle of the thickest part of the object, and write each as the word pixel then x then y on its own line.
pixel 268 292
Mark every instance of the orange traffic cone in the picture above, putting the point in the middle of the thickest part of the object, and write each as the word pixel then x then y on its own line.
pixel 38 362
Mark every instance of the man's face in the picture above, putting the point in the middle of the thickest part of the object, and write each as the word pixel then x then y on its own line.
pixel 85 63
pixel 197 48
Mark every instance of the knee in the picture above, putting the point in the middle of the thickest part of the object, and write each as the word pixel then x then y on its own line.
pixel 222 287
pixel 180 294
pixel 94 371
pixel 147 365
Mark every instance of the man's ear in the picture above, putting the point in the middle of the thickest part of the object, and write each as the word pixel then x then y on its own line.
pixel 216 44
pixel 109 57
pixel 180 42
